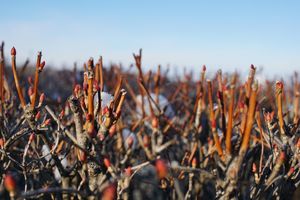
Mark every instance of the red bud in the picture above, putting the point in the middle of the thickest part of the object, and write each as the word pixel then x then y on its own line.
pixel 129 141
pixel 91 131
pixel 219 95
pixel 213 123
pixel 105 110
pixel 30 80
pixel 109 193
pixel 38 115
pixel 241 105
pixel 96 85
pixel 112 130
pixel 204 68
pixel 88 117
pixel 146 140
pixel 254 168
pixel 161 168
pixel 91 62
pixel 42 65
pixel 13 51
pixel 10 183
pixel 31 137
pixel 128 171
pixel 106 162
pixel 292 169
pixel 101 136
pixel 2 142
pixel 269 116
pixel 85 86
pixel 62 114
pixel 30 91
pixel 194 162
pixel 47 122
pixel 282 156
pixel 42 98
pixel 279 85
pixel 82 156
pixel 154 122
pixel 82 103
pixel 77 89
pixel 298 143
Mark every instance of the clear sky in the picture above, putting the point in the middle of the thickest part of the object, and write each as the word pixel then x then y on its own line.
pixel 221 34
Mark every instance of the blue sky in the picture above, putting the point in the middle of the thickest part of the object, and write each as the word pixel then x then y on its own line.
pixel 221 34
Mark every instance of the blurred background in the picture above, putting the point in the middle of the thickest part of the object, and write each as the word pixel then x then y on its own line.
pixel 229 35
